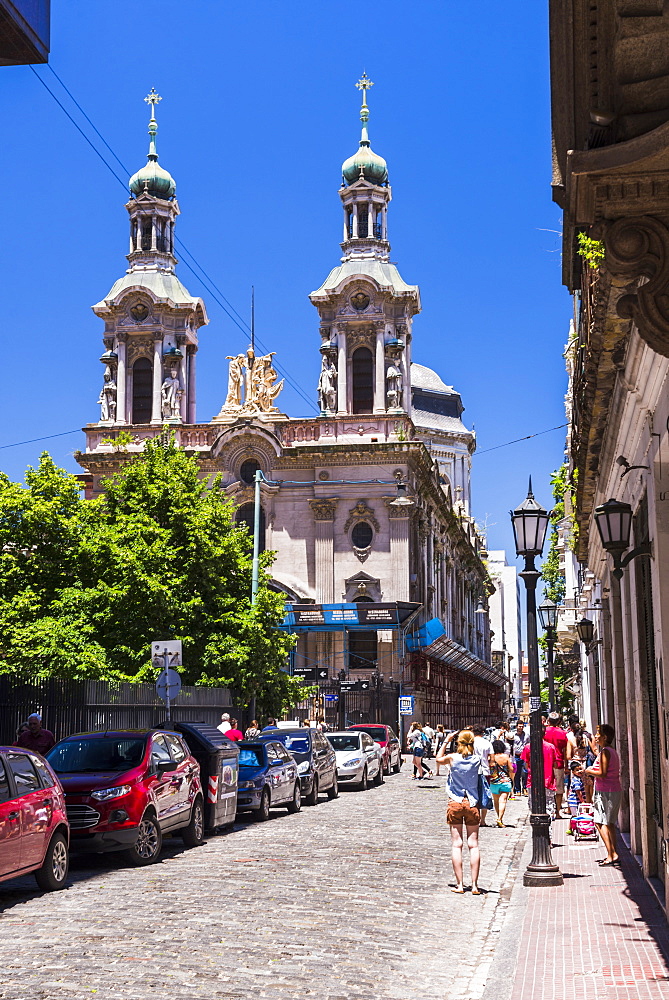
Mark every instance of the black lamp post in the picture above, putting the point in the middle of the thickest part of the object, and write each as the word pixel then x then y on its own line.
pixel 614 523
pixel 586 633
pixel 548 617
pixel 530 522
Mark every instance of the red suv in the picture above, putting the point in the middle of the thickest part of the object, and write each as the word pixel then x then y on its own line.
pixel 389 743
pixel 125 789
pixel 34 834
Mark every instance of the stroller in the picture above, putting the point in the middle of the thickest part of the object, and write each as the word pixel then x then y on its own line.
pixel 582 825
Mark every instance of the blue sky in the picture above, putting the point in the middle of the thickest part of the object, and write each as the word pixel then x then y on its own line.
pixel 259 110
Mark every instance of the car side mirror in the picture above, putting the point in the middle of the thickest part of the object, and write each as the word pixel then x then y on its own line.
pixel 164 765
pixel 275 762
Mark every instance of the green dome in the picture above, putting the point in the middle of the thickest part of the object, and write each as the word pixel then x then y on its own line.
pixel 374 167
pixel 154 180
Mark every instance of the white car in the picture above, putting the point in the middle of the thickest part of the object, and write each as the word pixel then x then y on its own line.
pixel 359 758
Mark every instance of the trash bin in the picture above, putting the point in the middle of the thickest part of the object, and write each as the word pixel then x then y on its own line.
pixel 218 758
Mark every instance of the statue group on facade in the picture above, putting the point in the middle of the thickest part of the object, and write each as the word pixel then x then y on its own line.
pixel 252 385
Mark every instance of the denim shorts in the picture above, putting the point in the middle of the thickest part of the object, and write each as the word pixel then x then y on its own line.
pixel 417 751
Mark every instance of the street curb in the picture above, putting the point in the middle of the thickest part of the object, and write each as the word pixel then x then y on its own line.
pixel 500 979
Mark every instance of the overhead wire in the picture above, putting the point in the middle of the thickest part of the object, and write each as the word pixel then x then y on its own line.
pixel 516 440
pixel 210 285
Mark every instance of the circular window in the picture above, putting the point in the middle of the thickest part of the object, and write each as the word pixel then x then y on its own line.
pixel 247 473
pixel 362 535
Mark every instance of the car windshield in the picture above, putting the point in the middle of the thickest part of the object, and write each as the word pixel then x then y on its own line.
pixel 346 741
pixel 109 753
pixel 250 757
pixel 375 732
pixel 294 742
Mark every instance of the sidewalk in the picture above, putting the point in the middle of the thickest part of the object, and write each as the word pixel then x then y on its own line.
pixel 602 935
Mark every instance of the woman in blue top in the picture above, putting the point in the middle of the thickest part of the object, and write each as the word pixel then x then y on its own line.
pixel 462 787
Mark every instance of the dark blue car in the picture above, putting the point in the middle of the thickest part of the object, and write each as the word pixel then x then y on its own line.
pixel 267 777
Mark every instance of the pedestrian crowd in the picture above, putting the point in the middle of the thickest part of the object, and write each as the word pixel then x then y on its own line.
pixel 488 767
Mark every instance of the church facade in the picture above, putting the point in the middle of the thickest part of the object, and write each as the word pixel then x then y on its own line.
pixel 367 503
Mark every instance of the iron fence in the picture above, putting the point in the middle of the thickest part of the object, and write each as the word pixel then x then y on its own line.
pixel 75 706
pixel 346 708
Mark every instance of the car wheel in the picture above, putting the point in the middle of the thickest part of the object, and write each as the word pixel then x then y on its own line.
pixel 148 843
pixel 295 803
pixel 386 765
pixel 333 790
pixel 362 787
pixel 53 873
pixel 193 834
pixel 398 766
pixel 312 797
pixel 378 777
pixel 261 814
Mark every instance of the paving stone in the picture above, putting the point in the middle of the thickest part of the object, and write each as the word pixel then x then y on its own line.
pixel 342 901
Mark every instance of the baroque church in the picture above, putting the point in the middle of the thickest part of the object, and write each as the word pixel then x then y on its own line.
pixel 367 505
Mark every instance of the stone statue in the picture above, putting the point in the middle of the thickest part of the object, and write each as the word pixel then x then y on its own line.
pixel 234 398
pixel 327 386
pixel 107 398
pixel 394 386
pixel 170 395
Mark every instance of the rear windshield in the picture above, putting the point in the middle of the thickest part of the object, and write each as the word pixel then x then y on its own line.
pixel 250 757
pixel 374 731
pixel 97 754
pixel 347 742
pixel 294 742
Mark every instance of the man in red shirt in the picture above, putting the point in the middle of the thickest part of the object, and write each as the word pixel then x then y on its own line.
pixel 36 738
pixel 556 735
pixel 549 774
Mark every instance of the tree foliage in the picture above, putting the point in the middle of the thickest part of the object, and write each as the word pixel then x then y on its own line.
pixel 85 585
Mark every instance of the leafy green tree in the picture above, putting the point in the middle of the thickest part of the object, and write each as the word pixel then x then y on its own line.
pixel 85 585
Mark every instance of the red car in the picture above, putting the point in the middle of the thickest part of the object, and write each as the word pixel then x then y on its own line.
pixel 389 743
pixel 125 789
pixel 34 833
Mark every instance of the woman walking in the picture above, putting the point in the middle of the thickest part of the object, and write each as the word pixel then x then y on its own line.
pixel 462 787
pixel 416 747
pixel 439 740
pixel 608 791
pixel 501 771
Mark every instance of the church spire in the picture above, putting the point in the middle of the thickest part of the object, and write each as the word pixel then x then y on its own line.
pixel 153 179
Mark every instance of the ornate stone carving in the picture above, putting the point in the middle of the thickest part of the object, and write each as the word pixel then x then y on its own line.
pixel 360 301
pixel 327 386
pixel 324 510
pixel 107 398
pixel 397 512
pixel 170 395
pixel 139 312
pixel 639 248
pixel 394 386
pixel 139 347
pixel 260 385
pixel 361 512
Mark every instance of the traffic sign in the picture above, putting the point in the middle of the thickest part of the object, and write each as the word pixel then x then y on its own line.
pixel 322 673
pixel 305 673
pixel 363 685
pixel 406 705
pixel 168 684
pixel 166 653
pixel 330 698
pixel 535 704
pixel 349 686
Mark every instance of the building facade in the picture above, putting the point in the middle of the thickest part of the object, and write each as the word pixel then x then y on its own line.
pixel 610 73
pixel 329 487
pixel 505 631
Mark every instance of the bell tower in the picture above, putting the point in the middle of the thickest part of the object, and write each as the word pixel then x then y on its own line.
pixel 151 320
pixel 365 307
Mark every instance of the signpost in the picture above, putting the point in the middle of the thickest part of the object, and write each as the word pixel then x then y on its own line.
pixel 166 655
pixel 406 705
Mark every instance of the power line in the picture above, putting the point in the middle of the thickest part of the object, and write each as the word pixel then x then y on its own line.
pixel 208 282
pixel 46 437
pixel 516 440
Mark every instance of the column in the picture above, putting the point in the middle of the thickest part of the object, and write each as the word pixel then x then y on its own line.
pixel 398 521
pixel 121 416
pixel 154 244
pixel 324 514
pixel 384 222
pixel 192 351
pixel 183 379
pixel 370 220
pixel 342 406
pixel 380 372
pixel 345 223
pixel 406 370
pixel 355 220
pixel 138 238
pixel 156 408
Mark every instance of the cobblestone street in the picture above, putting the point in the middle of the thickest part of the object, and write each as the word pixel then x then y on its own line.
pixel 343 901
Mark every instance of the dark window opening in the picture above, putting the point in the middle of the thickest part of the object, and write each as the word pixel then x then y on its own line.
pixel 362 650
pixel 362 535
pixel 362 365
pixel 146 235
pixel 142 391
pixel 349 223
pixel 362 223
pixel 245 516
pixel 248 470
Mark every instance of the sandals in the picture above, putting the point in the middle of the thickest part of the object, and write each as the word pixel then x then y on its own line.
pixel 459 889
pixel 476 891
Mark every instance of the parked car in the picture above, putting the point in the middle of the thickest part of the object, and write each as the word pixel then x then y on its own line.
pixel 267 777
pixel 125 789
pixel 34 832
pixel 359 758
pixel 316 762
pixel 389 743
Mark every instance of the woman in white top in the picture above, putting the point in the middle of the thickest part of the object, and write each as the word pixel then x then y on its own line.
pixel 463 806
pixel 416 745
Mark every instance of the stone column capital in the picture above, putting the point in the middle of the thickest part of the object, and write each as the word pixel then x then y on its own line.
pixel 324 510
pixel 397 512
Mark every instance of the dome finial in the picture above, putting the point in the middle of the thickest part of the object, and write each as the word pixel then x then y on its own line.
pixel 363 84
pixel 153 98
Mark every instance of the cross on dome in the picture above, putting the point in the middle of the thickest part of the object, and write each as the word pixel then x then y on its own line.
pixel 153 98
pixel 364 83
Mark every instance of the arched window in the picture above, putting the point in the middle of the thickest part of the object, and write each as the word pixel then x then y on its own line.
pixel 362 646
pixel 142 391
pixel 362 366
pixel 248 470
pixel 244 515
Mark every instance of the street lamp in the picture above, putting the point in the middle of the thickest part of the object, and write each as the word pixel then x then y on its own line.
pixel 402 500
pixel 548 616
pixel 586 633
pixel 614 523
pixel 530 522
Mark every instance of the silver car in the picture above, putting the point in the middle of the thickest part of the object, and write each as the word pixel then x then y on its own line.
pixel 359 758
